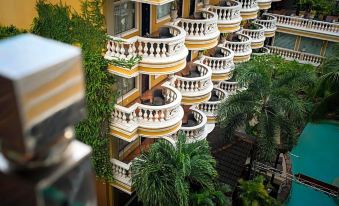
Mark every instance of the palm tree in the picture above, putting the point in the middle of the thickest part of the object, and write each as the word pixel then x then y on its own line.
pixel 254 193
pixel 272 107
pixel 328 88
pixel 166 174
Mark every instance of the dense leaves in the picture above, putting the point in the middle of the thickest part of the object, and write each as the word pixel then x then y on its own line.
pixel 86 30
pixel 327 91
pixel 8 31
pixel 167 174
pixel 273 105
pixel 254 193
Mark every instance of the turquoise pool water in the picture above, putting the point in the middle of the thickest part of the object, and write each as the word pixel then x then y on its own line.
pixel 318 157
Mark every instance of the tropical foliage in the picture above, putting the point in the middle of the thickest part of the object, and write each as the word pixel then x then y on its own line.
pixel 273 106
pixel 8 31
pixel 215 197
pixel 254 193
pixel 87 31
pixel 327 92
pixel 166 174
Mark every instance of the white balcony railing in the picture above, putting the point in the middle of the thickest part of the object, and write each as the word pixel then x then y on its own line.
pixel 152 50
pixel 301 57
pixel 241 47
pixel 268 21
pixel 257 35
pixel 220 65
pixel 149 116
pixel 122 172
pixel 227 14
pixel 200 29
pixel 210 108
pixel 248 5
pixel 307 24
pixel 197 132
pixel 229 87
pixel 194 86
pixel 261 51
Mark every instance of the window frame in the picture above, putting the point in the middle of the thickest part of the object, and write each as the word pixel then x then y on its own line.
pixel 130 92
pixel 163 17
pixel 136 22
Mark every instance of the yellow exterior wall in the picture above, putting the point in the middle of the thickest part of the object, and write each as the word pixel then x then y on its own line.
pixel 185 8
pixel 20 13
pixel 154 22
pixel 154 81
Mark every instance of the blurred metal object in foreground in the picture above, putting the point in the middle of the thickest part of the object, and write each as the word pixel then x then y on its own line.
pixel 41 93
pixel 41 98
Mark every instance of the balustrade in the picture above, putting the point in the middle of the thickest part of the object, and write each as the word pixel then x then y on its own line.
pixel 248 5
pixel 197 132
pixel 200 28
pixel 210 108
pixel 122 172
pixel 150 49
pixel 301 57
pixel 195 86
pixel 257 35
pixel 241 47
pixel 227 14
pixel 229 87
pixel 307 24
pixel 269 22
pixel 218 64
pixel 147 116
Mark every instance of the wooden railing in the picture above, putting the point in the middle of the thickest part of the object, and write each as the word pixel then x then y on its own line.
pixel 194 86
pixel 241 48
pixel 220 65
pixel 269 22
pixel 307 24
pixel 200 28
pixel 227 14
pixel 197 132
pixel 257 35
pixel 301 57
pixel 152 50
pixel 147 116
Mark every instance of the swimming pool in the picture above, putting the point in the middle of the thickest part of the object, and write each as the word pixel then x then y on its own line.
pixel 315 155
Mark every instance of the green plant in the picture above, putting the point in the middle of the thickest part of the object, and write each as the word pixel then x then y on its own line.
pixel 125 63
pixel 165 174
pixel 273 107
pixel 215 197
pixel 327 90
pixel 8 31
pixel 86 30
pixel 254 193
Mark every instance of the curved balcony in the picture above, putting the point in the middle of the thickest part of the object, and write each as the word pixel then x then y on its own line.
pixel 221 63
pixel 194 83
pixel 240 44
pixel 163 53
pixel 261 51
pixel 122 175
pixel 210 108
pixel 269 22
pixel 193 126
pixel 156 115
pixel 230 87
pixel 201 30
pixel 249 9
pixel 264 4
pixel 257 34
pixel 229 18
